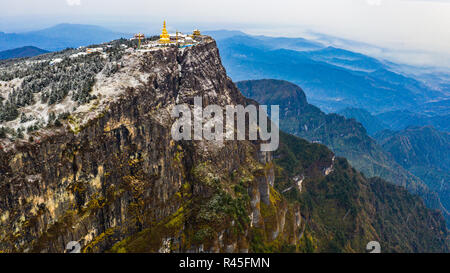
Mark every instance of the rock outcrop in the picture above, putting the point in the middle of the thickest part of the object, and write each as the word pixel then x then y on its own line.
pixel 116 181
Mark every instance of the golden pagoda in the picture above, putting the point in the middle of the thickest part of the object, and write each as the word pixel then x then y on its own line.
pixel 164 37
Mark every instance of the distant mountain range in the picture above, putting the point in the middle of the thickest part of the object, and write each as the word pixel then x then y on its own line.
pixel 332 78
pixel 59 37
pixel 397 120
pixel 26 51
pixel 265 42
pixel 345 137
pixel 401 119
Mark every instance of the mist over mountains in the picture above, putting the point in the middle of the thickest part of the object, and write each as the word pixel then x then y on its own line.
pixel 59 37
pixel 332 78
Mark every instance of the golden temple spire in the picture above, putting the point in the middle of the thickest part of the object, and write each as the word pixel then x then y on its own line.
pixel 164 37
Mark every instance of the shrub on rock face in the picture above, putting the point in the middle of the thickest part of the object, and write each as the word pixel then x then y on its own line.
pixel 2 132
pixel 8 112
pixel 20 132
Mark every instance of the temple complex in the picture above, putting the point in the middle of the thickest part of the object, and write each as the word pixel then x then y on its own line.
pixel 166 39
pixel 196 33
pixel 179 38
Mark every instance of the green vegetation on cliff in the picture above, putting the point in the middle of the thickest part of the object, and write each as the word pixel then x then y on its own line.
pixel 425 152
pixel 345 137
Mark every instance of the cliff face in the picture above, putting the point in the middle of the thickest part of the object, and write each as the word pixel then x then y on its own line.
pixel 115 180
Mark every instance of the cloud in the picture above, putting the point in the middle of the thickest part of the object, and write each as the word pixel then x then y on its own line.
pixel 73 2
pixel 374 2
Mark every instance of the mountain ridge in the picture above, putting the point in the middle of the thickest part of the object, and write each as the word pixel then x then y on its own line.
pixel 26 51
pixel 346 138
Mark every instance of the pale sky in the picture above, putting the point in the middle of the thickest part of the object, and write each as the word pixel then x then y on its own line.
pixel 404 26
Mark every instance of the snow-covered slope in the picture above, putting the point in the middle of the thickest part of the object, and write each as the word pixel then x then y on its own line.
pixel 39 92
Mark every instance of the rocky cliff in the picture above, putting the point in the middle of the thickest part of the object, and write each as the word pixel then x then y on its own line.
pixel 111 175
